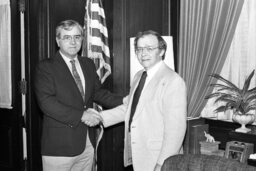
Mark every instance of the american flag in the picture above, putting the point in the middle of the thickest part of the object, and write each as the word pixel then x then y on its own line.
pixel 95 46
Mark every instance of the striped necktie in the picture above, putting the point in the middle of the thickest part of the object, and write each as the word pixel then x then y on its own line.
pixel 136 96
pixel 77 78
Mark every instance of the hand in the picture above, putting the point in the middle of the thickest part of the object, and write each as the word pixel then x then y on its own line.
pixel 157 167
pixel 91 117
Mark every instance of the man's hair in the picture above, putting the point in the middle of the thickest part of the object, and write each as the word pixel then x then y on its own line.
pixel 161 42
pixel 67 25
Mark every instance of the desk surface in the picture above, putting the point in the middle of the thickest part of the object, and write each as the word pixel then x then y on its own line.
pixel 226 120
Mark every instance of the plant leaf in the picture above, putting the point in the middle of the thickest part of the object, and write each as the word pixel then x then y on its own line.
pixel 247 82
pixel 222 108
pixel 230 84
pixel 216 94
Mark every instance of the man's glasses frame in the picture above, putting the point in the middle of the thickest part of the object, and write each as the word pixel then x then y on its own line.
pixel 148 49
pixel 69 38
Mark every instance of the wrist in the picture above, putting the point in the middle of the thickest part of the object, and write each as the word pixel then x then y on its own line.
pixel 102 121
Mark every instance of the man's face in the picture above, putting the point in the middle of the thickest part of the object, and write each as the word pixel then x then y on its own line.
pixel 70 42
pixel 148 52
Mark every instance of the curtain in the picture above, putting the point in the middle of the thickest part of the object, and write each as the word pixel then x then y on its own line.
pixel 241 58
pixel 5 55
pixel 206 31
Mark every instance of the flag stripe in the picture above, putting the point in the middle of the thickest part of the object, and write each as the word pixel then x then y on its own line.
pixel 96 53
pixel 96 24
pixel 97 33
pixel 95 15
pixel 99 46
pixel 96 5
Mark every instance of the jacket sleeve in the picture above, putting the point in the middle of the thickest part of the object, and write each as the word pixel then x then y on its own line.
pixel 115 115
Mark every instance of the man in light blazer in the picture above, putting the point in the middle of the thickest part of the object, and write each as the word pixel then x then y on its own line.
pixel 158 125
pixel 67 143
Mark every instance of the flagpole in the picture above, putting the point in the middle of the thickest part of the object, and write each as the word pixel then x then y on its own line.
pixel 23 82
pixel 95 46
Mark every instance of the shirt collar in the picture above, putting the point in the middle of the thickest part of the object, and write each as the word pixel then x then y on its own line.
pixel 66 59
pixel 154 69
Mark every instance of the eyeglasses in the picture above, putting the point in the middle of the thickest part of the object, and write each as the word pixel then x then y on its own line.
pixel 147 49
pixel 69 38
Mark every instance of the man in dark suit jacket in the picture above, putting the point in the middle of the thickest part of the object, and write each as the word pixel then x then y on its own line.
pixel 67 142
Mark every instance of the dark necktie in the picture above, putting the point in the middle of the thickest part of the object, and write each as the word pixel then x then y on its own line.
pixel 77 78
pixel 136 96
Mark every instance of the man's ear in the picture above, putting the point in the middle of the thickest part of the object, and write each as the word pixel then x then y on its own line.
pixel 57 41
pixel 162 52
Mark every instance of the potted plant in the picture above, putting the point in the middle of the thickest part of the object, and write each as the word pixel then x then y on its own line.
pixel 241 101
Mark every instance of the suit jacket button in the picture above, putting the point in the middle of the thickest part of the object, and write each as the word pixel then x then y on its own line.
pixel 85 106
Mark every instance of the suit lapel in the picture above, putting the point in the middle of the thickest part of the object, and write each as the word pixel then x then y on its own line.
pixel 132 91
pixel 151 86
pixel 61 64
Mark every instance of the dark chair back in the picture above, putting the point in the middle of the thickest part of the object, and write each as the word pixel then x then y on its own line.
pixel 200 162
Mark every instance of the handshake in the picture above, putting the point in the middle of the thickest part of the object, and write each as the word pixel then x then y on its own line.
pixel 91 117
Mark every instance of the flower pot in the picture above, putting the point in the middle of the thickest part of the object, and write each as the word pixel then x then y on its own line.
pixel 243 119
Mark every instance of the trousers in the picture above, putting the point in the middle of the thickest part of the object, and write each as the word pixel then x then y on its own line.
pixel 82 162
